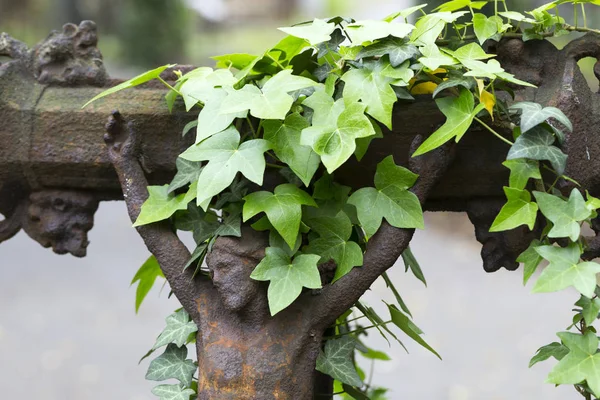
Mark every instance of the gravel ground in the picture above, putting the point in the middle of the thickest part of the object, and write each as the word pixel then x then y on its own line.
pixel 68 330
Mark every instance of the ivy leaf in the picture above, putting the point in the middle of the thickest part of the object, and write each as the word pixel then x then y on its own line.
pixel 283 209
pixel 203 225
pixel 589 309
pixel 362 144
pixel 554 349
pixel 226 157
pixel 369 30
pixel 161 205
pixel 536 144
pixel 566 270
pixel 390 199
pixel 565 215
pixel 335 129
pixel 238 61
pixel 454 81
pixel 187 172
pixel 485 27
pixel 521 169
pixel 287 277
pixel 459 112
pixel 518 210
pixel 172 365
pixel 517 16
pixel 580 364
pixel 372 85
pixel 411 262
pixel 285 138
pixel 429 27
pixel 470 52
pixel 173 392
pixel 231 221
pixel 334 231
pixel 405 324
pixel 135 81
pixel 533 114
pixel 530 259
pixel 318 31
pixel 179 327
pixel 433 58
pixel 212 120
pixel 270 102
pixel 199 84
pixel 146 276
pixel 398 50
pixel 337 361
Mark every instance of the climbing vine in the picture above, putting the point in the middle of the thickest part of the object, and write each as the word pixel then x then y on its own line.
pixel 274 128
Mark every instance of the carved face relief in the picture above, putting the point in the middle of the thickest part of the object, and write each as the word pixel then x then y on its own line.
pixel 61 220
pixel 234 284
pixel 231 262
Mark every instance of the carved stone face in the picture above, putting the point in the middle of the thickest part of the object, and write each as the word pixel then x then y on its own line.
pixel 231 262
pixel 61 220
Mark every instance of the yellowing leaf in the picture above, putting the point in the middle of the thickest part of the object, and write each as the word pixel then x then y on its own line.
pixel 488 100
pixel 424 88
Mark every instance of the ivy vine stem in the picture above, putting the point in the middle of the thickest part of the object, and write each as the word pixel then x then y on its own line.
pixel 499 136
pixel 169 86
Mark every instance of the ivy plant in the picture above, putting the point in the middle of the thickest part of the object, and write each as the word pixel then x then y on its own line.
pixel 318 98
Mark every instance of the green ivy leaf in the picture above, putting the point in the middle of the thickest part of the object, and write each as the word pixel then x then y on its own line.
pixel 238 61
pixel 335 129
pixel 518 210
pixel 285 138
pixel 179 327
pixel 334 229
pixel 372 84
pixel 565 215
pixel 532 114
pixel 405 324
pixel 433 58
pixel 536 144
pixel 580 364
pixel 521 170
pixel 470 52
pixel 199 84
pixel 530 259
pixel 283 208
pixel 135 81
pixel 410 262
pixel 231 221
pixel 336 361
pixel 194 219
pixel 187 172
pixel 369 30
pixel 172 365
pixel 173 392
pixel 589 309
pixel 272 101
pixel 211 120
pixel 146 276
pixel 390 199
pixel 226 157
pixel 398 50
pixel 287 277
pixel 318 31
pixel 161 205
pixel 485 27
pixel 517 17
pixel 565 270
pixel 554 349
pixel 429 27
pixel 454 80
pixel 459 112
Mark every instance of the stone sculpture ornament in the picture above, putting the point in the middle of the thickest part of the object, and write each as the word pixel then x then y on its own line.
pixel 243 351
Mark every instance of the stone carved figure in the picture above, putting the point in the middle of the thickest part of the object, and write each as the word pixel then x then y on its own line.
pixel 243 352
pixel 67 58
pixel 55 218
